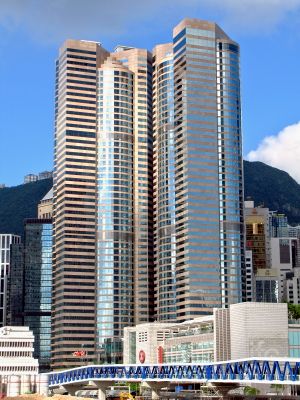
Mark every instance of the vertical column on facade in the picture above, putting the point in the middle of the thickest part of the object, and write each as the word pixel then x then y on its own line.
pixel 164 183
pixel 115 274
pixel 139 61
pixel 202 279
pixel 230 170
pixel 74 202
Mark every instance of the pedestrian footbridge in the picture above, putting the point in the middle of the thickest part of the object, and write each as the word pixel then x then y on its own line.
pixel 272 370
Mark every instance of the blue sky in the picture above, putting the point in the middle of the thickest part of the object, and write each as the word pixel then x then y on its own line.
pixel 31 32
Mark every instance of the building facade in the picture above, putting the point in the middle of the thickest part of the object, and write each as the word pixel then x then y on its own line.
pixel 147 156
pixel 241 331
pixel 6 240
pixel 30 285
pixel 103 229
pixel 208 169
pixel 164 183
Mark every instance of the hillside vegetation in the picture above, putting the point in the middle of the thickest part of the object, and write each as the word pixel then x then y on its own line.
pixel 20 202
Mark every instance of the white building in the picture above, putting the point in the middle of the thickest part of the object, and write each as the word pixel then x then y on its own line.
pixel 258 330
pixel 16 351
pixel 6 240
pixel 18 368
pixel 243 330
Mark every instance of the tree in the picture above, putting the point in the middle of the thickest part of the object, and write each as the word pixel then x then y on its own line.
pixel 250 391
pixel 294 311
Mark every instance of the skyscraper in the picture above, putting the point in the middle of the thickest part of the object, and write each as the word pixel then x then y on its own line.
pixel 6 240
pixel 148 193
pixel 164 182
pixel 103 250
pixel 74 201
pixel 203 151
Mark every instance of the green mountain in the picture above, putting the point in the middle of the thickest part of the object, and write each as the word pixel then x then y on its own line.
pixel 272 188
pixel 20 202
pixel 265 185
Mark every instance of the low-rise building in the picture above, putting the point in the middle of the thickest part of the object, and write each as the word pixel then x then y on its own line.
pixel 241 331
pixel 16 351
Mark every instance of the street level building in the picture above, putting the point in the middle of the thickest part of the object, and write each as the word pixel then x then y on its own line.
pixel 6 240
pixel 241 331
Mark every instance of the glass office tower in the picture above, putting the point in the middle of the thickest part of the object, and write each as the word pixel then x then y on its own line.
pixel 124 199
pixel 115 291
pixel 208 169
pixel 112 182
pixel 38 286
pixel 30 285
pixel 164 182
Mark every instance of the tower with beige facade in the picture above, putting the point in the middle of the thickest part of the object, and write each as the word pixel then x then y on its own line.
pixel 148 212
pixel 103 244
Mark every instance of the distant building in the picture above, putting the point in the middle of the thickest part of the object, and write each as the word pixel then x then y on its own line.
pixel 6 240
pixel 45 205
pixel 241 331
pixel 249 276
pixel 266 285
pixel 291 287
pixel 2 185
pixel 30 286
pixel 40 176
pixel 30 178
pixel 45 175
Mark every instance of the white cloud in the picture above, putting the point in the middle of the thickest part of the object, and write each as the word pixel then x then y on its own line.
pixel 281 151
pixel 52 20
pixel 255 15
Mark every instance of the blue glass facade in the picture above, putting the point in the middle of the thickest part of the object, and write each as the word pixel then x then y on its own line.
pixel 208 169
pixel 164 182
pixel 38 286
pixel 115 209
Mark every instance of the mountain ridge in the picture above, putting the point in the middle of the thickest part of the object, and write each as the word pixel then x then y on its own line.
pixel 264 184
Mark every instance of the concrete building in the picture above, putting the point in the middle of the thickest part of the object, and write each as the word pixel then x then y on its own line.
pixel 45 206
pixel 291 286
pixel 258 329
pixel 16 360
pixel 30 178
pixel 6 240
pixel 45 175
pixel 37 177
pixel 243 330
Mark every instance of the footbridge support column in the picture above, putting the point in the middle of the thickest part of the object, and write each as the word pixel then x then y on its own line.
pixel 155 387
pixel 71 388
pixel 102 387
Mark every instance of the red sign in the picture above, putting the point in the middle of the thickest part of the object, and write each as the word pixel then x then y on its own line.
pixel 160 351
pixel 79 353
pixel 142 356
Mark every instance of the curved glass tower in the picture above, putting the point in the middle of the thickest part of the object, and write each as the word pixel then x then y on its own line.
pixel 164 182
pixel 115 307
pixel 208 169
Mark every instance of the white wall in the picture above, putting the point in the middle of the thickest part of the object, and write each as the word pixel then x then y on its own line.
pixel 259 330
